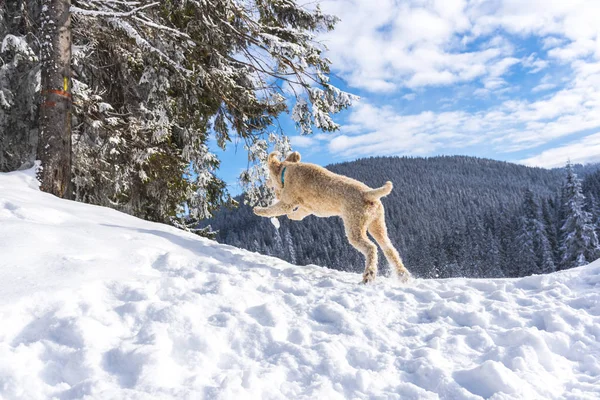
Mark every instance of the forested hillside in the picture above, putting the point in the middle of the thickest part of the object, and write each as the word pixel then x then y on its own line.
pixel 448 216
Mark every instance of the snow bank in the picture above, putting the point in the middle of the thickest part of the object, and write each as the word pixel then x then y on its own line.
pixel 98 304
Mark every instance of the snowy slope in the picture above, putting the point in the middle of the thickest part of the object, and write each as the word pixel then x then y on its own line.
pixel 98 304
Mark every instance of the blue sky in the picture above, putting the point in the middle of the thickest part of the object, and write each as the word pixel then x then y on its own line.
pixel 514 80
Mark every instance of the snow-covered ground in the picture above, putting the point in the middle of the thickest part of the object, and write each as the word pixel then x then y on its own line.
pixel 98 304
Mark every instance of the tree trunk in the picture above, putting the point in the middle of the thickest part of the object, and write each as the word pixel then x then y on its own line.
pixel 54 146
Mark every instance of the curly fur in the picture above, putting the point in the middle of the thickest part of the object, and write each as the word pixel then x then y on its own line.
pixel 313 190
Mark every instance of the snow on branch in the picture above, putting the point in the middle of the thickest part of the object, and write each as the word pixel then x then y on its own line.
pixel 112 14
pixel 160 27
pixel 144 44
pixel 125 3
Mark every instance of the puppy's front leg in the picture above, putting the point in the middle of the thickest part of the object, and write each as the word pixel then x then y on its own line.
pixel 299 213
pixel 274 210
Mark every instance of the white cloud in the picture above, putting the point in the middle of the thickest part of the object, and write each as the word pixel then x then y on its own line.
pixel 547 82
pixel 550 42
pixel 502 66
pixel 391 45
pixel 384 45
pixel 542 87
pixel 586 150
pixel 514 125
pixel 534 64
pixel 574 50
pixel 303 141
pixel 378 130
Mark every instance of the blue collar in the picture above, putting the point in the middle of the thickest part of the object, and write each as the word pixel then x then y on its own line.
pixel 283 176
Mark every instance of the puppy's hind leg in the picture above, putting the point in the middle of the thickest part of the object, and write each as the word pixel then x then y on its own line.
pixel 378 230
pixel 357 236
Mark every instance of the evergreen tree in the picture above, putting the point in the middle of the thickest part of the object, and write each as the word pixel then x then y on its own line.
pixel 579 244
pixel 591 189
pixel 493 259
pixel 535 248
pixel 473 248
pixel 154 81
pixel 19 84
pixel 591 185
pixel 594 207
pixel 440 262
pixel 290 251
pixel 551 227
pixel 454 246
pixel 277 248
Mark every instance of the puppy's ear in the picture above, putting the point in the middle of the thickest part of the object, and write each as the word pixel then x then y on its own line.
pixel 273 159
pixel 293 157
pixel 274 163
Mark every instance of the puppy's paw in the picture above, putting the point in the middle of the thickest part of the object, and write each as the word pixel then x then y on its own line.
pixel 259 211
pixel 404 276
pixel 368 276
pixel 295 217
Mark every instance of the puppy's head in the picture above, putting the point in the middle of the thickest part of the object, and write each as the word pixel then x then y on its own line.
pixel 275 167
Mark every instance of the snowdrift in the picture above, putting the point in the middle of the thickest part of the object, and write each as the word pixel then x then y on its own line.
pixel 98 304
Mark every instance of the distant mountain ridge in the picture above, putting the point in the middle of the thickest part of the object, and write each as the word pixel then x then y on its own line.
pixel 441 212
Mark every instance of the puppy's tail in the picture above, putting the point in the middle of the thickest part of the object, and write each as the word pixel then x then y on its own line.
pixel 375 194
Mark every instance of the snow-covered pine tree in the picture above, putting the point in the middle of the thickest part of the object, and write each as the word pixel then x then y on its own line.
pixel 535 249
pixel 454 245
pixel 579 242
pixel 525 258
pixel 551 227
pixel 222 66
pixel 474 251
pixel 493 258
pixel 153 81
pixel 19 82
pixel 591 189
pixel 593 209
pixel 289 246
